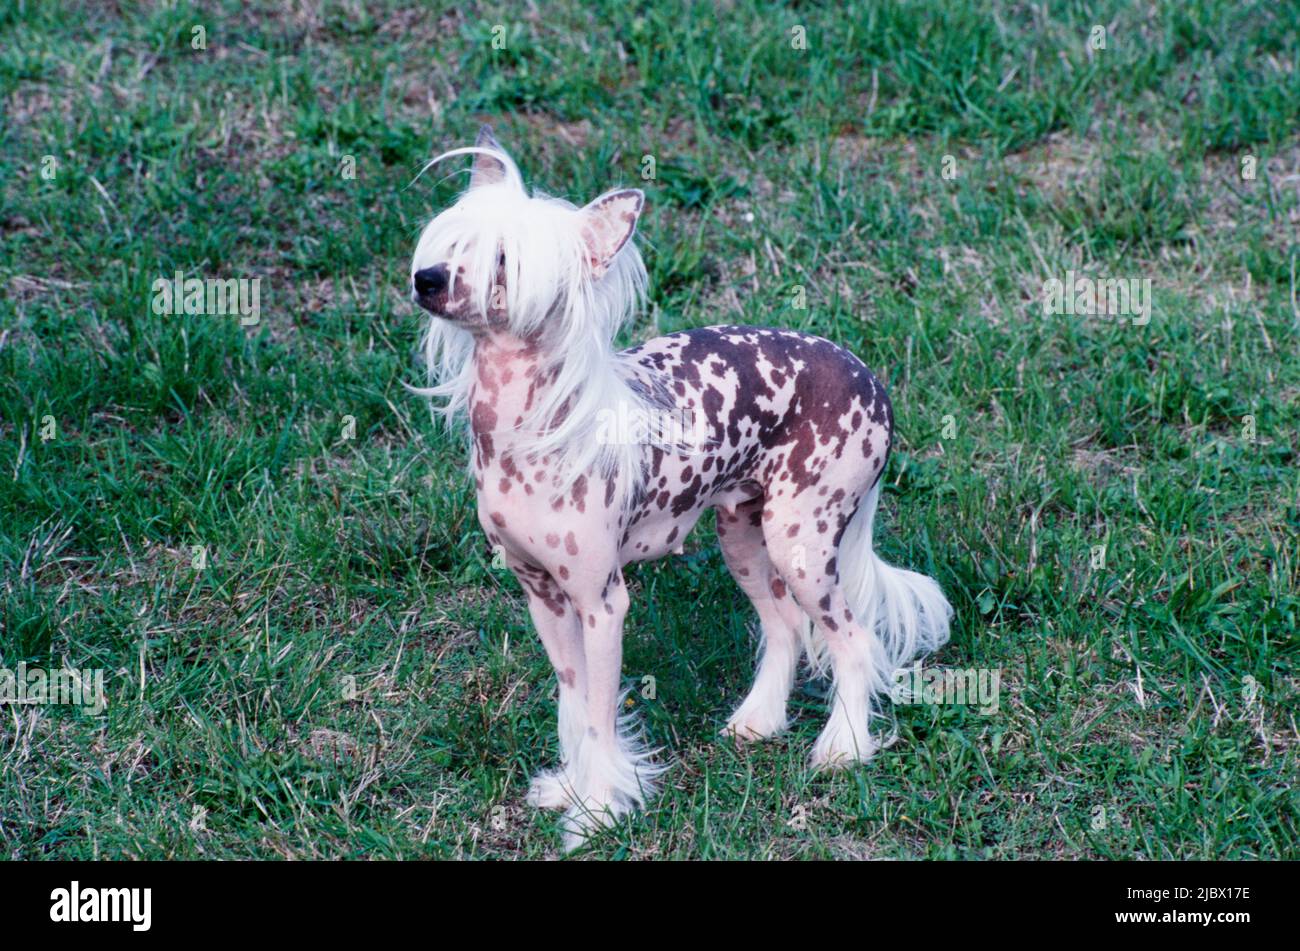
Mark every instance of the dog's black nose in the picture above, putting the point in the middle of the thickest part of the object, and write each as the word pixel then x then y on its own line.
pixel 431 280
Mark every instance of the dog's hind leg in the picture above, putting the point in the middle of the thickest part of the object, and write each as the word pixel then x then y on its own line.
pixel 561 633
pixel 763 711
pixel 872 616
pixel 807 557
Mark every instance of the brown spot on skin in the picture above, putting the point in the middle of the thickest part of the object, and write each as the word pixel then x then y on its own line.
pixel 568 677
pixel 793 530
pixel 591 620
pixel 564 572
pixel 570 544
pixel 830 622
pixel 498 520
pixel 553 540
pixel 504 486
pixel 539 584
pixel 579 493
pixel 778 588
pixel 688 497
pixel 483 420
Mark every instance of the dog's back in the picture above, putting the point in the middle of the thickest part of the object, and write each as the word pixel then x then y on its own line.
pixel 767 409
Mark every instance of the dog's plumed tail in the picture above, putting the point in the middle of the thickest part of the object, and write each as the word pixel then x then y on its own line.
pixel 906 611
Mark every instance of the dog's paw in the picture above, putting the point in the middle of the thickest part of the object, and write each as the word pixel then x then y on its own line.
pixel 550 790
pixel 751 725
pixel 573 839
pixel 582 821
pixel 841 750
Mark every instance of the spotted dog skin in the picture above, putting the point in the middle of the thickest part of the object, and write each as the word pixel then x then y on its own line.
pixel 788 418
pixel 796 431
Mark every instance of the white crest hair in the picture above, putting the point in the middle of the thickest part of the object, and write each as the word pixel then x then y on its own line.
pixel 552 296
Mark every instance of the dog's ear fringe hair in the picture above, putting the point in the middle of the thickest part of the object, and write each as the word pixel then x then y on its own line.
pixel 551 294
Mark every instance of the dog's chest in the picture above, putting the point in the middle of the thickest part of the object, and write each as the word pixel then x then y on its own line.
pixel 516 491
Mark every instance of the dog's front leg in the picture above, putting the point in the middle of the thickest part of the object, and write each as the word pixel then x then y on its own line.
pixel 560 629
pixel 611 773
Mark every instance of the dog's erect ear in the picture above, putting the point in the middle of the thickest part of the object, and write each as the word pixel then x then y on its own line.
pixel 607 224
pixel 487 170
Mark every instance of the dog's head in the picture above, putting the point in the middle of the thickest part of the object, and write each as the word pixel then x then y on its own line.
pixel 502 260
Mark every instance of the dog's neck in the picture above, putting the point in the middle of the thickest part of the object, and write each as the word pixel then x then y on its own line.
pixel 509 379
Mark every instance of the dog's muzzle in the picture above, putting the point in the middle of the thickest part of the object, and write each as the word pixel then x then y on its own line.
pixel 428 283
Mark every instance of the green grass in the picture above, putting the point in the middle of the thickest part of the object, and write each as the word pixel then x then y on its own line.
pixel 349 676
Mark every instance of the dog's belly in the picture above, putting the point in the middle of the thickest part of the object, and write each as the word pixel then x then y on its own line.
pixel 658 526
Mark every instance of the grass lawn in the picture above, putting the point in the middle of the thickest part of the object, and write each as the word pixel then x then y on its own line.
pixel 348 675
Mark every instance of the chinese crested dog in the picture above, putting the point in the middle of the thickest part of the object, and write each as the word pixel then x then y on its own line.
pixel 784 434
